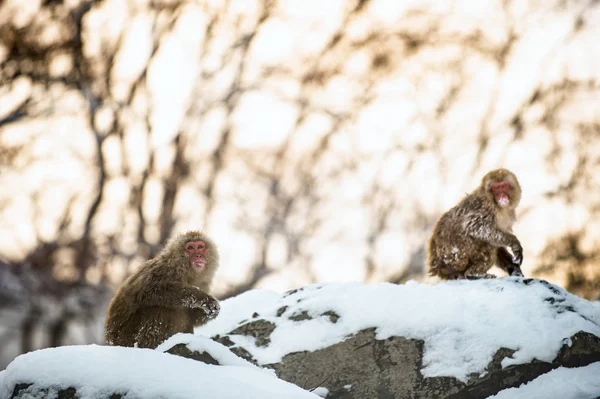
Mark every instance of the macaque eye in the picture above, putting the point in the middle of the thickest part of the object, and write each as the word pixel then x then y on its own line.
pixel 190 248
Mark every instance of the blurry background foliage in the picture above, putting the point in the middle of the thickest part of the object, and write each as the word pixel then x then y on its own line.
pixel 313 140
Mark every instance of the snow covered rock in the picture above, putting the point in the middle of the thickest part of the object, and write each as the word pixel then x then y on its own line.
pixel 563 383
pixel 461 339
pixel 508 337
pixel 91 371
pixel 206 351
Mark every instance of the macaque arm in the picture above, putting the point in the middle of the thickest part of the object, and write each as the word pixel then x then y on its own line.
pixel 483 227
pixel 175 296
pixel 197 317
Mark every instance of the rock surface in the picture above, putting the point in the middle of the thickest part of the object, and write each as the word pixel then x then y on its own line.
pixel 361 365
pixel 390 369
pixel 365 367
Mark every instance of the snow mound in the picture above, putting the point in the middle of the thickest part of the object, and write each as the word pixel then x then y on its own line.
pixel 99 371
pixel 462 323
pixel 217 351
pixel 564 383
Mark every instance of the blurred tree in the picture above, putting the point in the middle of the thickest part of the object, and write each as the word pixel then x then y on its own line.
pixel 315 141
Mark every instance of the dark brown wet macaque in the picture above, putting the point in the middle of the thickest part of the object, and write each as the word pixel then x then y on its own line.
pixel 166 295
pixel 477 233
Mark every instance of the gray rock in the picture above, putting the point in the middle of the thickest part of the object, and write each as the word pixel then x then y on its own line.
pixel 33 391
pixel 183 351
pixel 259 329
pixel 372 368
pixel 365 367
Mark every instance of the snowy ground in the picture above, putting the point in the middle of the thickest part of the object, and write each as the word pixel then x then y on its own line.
pixel 98 371
pixel 463 323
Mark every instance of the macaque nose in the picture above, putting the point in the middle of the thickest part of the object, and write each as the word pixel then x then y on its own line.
pixel 503 185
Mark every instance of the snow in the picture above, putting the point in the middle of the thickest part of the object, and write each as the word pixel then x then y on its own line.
pixel 564 383
pixel 462 323
pixel 321 391
pixel 98 371
pixel 203 344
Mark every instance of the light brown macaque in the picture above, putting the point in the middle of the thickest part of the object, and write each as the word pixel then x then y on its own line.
pixel 477 233
pixel 166 295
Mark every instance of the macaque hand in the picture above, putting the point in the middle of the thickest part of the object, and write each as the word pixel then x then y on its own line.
pixel 517 254
pixel 211 306
pixel 516 272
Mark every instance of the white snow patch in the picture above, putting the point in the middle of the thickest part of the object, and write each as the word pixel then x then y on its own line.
pixel 462 323
pixel 97 371
pixel 203 344
pixel 563 383
pixel 321 391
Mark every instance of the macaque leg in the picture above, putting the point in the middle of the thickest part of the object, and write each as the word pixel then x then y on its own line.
pixel 159 324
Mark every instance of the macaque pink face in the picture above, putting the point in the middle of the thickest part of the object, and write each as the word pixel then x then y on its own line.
pixel 501 192
pixel 196 251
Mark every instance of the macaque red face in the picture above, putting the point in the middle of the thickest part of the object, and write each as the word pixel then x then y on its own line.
pixel 196 251
pixel 501 191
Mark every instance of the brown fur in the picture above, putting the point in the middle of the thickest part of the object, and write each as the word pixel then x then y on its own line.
pixel 166 295
pixel 470 238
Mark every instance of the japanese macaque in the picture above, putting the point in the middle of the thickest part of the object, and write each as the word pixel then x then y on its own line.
pixel 166 295
pixel 477 233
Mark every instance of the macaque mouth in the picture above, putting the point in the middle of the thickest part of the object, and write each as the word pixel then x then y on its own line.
pixel 199 264
pixel 502 199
